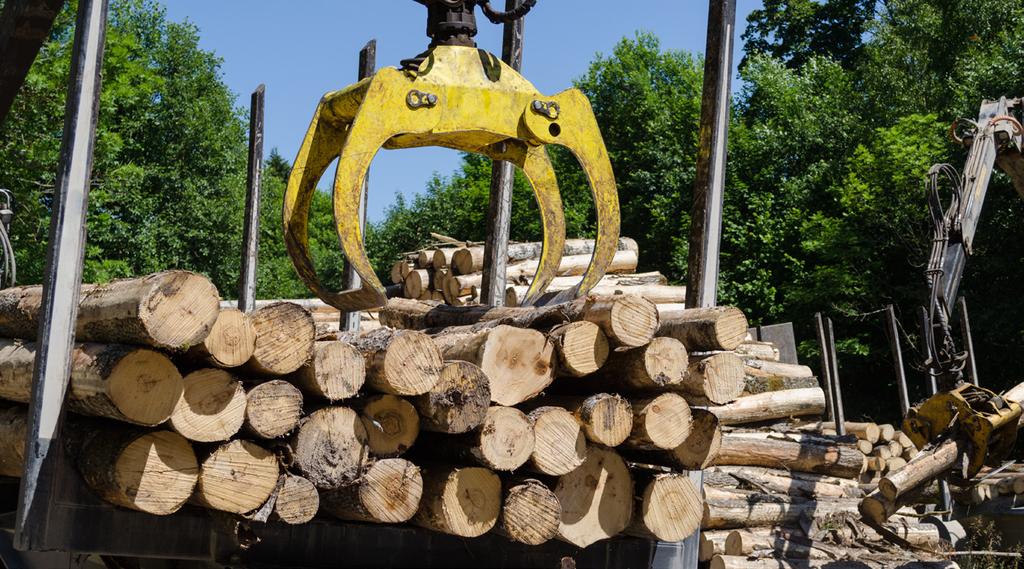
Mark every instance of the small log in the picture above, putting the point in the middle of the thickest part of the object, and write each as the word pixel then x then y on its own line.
pixel 399 270
pixel 803 484
pixel 415 283
pixel 669 509
pixel 336 371
pixel 629 321
pixel 904 440
pixel 582 348
pixel 398 362
pixel 471 259
pixel 923 468
pixel 730 510
pixel 864 431
pixel 560 445
pixel 765 376
pixel 763 351
pixel 295 500
pixel 442 258
pixel 771 405
pixel 459 501
pixel 504 442
pixel 330 447
pixel 388 493
pixel 707 329
pixel 894 464
pixel 518 362
pixel 273 409
pixel 424 258
pixel 459 401
pixel 230 343
pixel 530 512
pixel 391 424
pixel 607 419
pixel 843 461
pixel 211 408
pixel 127 383
pixel 712 543
pixel 864 446
pixel 596 498
pixel 661 422
pixel 660 364
pixel 886 433
pixel 716 379
pixel 749 541
pixel 237 477
pixel 171 310
pixel 285 334
pixel 574 265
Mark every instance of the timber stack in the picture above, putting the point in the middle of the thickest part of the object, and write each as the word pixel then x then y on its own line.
pixel 575 422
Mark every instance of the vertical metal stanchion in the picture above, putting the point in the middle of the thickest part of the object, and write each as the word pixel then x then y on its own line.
pixel 499 208
pixel 965 331
pixel 63 277
pixel 253 184
pixel 826 367
pixel 837 390
pixel 933 388
pixel 897 359
pixel 351 279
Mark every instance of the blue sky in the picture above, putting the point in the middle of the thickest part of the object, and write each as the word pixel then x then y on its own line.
pixel 300 50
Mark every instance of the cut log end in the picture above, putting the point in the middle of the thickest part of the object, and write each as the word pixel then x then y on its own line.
pixel 530 513
pixel 297 500
pixel 459 401
pixel 336 371
pixel 702 444
pixel 273 409
pixel 596 498
pixel 628 320
pixel 179 310
pixel 231 341
pixel 582 347
pixel 671 507
pixel 660 423
pixel 707 329
pixel 389 492
pixel 607 419
pixel 459 501
pixel 665 361
pixel 560 445
pixel 211 408
pixel 391 423
pixel 718 378
pixel 506 438
pixel 330 447
pixel 518 363
pixel 156 473
pixel 237 477
pixel 144 385
pixel 285 334
pixel 411 365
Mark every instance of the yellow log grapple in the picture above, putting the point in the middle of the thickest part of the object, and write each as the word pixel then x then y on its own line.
pixel 455 96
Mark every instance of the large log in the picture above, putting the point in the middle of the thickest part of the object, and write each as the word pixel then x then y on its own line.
pixel 273 409
pixel 458 402
pixel 230 343
pixel 771 405
pixel 660 364
pixel 596 498
pixel 793 483
pixel 330 447
pixel 504 442
pixel 471 259
pixel 127 383
pixel 926 466
pixel 518 362
pixel 607 419
pixel 661 422
pixel 398 362
pixel 668 510
pixel 211 408
pixel 560 445
pixel 715 379
pixel 336 371
pixel 728 510
pixel 839 460
pixel 530 512
pixel 442 258
pixel 702 444
pixel 459 501
pixel 389 492
pixel 172 310
pixel 581 346
pixel 391 423
pixel 285 334
pixel 749 541
pixel 237 477
pixel 707 329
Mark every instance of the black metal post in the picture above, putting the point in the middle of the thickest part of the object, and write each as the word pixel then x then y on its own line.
pixel 63 276
pixel 965 331
pixel 897 359
pixel 351 279
pixel 499 208
pixel 253 184
pixel 826 367
pixel 837 390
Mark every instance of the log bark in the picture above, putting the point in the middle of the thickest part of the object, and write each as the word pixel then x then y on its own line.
pixel 712 543
pixel 230 343
pixel 398 362
pixel 668 510
pixel 659 365
pixel 802 484
pixel 459 501
pixel 471 259
pixel 748 541
pixel 388 493
pixel 715 379
pixel 740 562
pixel 771 405
pixel 726 510
pixel 560 446
pixel 518 362
pixel 391 424
pixel 285 334
pixel 596 498
pixel 763 351
pixel 237 477
pixel 336 371
pixel 764 376
pixel 581 346
pixel 172 310
pixel 659 423
pixel 273 409
pixel 530 512
pixel 330 447
pixel 211 408
pixel 703 443
pixel 864 431
pixel 442 258
pixel 707 329
pixel 606 419
pixel 504 442
pixel 843 461
pixel 127 383
pixel 458 402
pixel 925 467
pixel 415 283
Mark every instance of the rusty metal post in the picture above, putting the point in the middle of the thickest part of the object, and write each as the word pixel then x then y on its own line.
pixel 837 390
pixel 897 358
pixel 826 366
pixel 63 277
pixel 965 330
pixel 351 279
pixel 253 184
pixel 499 208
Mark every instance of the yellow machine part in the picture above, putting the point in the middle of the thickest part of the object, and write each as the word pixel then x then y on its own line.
pixel 986 421
pixel 461 98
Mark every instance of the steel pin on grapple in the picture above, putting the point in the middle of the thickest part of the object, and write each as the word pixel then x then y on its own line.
pixel 454 96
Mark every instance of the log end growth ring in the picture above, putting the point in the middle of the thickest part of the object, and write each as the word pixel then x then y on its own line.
pixel 145 386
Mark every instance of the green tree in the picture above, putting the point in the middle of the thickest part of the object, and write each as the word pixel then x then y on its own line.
pixel 794 31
